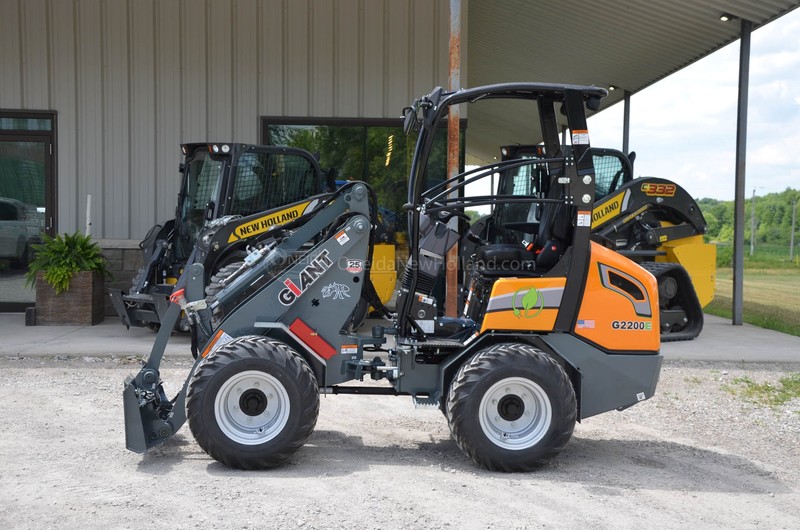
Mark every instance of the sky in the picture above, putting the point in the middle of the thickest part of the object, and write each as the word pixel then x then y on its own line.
pixel 683 128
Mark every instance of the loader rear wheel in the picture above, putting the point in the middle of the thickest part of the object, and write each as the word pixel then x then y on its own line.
pixel 252 403
pixel 511 408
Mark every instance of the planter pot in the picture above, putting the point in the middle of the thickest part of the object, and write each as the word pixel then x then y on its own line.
pixel 80 305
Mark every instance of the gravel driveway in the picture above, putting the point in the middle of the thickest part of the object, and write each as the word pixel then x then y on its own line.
pixel 696 455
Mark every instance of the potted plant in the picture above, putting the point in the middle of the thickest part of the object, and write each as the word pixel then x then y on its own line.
pixel 69 273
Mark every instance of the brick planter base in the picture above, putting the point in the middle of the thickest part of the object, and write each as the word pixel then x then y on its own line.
pixel 80 305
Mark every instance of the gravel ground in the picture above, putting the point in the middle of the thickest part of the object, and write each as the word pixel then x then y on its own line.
pixel 697 454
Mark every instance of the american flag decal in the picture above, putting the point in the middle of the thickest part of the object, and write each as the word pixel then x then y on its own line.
pixel 585 324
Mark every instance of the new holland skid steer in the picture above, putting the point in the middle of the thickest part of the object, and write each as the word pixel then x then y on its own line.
pixel 231 194
pixel 652 221
pixel 552 332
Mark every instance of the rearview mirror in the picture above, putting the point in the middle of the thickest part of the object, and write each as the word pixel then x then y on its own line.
pixel 411 120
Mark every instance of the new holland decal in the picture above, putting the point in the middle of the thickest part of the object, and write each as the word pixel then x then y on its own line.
pixel 266 222
pixel 607 210
pixel 308 276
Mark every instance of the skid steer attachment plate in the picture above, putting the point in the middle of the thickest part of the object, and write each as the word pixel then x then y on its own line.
pixel 144 427
pixel 150 417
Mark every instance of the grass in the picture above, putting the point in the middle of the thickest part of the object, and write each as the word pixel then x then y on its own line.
pixel 788 388
pixel 771 298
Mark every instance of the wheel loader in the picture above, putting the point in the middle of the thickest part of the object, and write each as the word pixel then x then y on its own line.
pixel 653 221
pixel 550 333
pixel 231 194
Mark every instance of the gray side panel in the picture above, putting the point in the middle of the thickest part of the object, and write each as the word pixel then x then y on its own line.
pixel 608 382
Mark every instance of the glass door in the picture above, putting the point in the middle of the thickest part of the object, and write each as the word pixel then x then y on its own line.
pixel 26 184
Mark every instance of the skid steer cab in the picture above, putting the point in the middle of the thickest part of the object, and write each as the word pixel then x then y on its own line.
pixel 553 329
pixel 231 196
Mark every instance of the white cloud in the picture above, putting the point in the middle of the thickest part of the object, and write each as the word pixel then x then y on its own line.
pixel 684 127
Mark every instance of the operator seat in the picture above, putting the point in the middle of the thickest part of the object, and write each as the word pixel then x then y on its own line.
pixel 554 231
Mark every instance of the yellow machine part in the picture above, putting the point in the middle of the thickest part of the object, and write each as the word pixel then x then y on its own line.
pixel 700 261
pixel 382 271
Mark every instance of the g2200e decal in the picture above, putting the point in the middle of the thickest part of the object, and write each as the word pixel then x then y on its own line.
pixel 308 276
pixel 637 325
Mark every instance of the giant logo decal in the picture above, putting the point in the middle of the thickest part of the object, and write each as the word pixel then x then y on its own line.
pixel 308 276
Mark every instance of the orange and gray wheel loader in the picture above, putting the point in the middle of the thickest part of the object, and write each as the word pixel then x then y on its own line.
pixel 552 332
pixel 652 221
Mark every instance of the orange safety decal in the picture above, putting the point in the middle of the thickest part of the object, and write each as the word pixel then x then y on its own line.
pixel 580 137
pixel 219 338
pixel 312 339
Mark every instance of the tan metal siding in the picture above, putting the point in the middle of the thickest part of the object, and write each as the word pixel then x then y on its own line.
pixel 142 176
pixel 89 45
pixel 347 82
pixel 63 81
pixel 220 73
pixel 296 59
pixel 322 60
pixel 270 59
pixel 373 80
pixel 35 89
pixel 115 154
pixel 180 83
pixel 245 78
pixel 132 79
pixel 10 60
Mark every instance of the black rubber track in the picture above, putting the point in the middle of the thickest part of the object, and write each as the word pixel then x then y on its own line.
pixel 686 299
pixel 476 377
pixel 272 357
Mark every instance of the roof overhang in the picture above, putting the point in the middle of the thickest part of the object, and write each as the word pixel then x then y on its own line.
pixel 628 45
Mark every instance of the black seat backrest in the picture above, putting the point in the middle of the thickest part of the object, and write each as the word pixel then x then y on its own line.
pixel 554 233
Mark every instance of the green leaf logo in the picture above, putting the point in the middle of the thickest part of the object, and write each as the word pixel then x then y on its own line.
pixel 529 304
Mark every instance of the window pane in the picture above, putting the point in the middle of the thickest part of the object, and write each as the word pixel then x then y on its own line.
pixel 379 156
pixel 26 124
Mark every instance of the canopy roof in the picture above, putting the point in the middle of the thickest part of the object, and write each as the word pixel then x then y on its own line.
pixel 628 45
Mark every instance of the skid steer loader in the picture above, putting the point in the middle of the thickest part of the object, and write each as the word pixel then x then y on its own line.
pixel 549 335
pixel 231 194
pixel 652 221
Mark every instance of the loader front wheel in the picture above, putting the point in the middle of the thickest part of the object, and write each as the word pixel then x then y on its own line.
pixel 511 407
pixel 252 403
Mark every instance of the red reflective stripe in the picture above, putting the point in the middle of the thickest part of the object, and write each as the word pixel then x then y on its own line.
pixel 312 339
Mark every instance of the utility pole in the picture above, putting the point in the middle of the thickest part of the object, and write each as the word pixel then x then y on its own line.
pixel 791 237
pixel 753 224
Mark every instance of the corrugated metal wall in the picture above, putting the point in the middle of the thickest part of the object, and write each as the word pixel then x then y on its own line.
pixel 132 79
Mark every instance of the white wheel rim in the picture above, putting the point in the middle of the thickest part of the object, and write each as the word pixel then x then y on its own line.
pixel 515 413
pixel 251 407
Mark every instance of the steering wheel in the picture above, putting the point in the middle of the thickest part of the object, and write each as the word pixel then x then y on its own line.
pixel 448 212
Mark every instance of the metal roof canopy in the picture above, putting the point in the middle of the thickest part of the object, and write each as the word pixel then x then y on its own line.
pixel 628 45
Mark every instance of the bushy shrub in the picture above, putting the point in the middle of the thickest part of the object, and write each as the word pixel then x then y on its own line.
pixel 60 257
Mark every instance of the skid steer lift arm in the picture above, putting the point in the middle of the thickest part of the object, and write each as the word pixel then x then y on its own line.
pixel 150 417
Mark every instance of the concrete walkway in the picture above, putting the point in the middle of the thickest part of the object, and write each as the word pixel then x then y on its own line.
pixel 719 341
